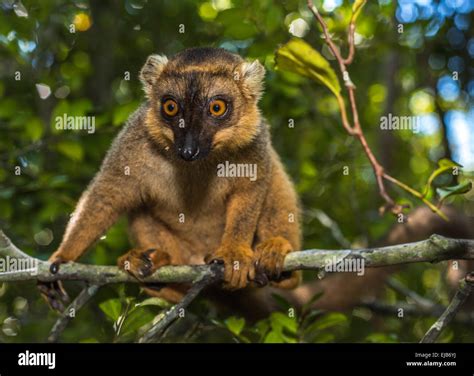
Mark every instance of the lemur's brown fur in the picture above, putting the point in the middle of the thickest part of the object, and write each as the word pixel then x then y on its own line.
pixel 181 211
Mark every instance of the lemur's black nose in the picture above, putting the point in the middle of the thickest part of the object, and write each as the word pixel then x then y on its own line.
pixel 189 151
pixel 189 154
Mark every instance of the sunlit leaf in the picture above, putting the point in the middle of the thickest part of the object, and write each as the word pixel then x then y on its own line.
pixel 235 324
pixel 280 320
pixel 357 8
pixel 297 56
pixel 111 308
pixel 274 337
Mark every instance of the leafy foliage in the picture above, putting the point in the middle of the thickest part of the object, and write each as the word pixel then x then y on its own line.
pixel 46 70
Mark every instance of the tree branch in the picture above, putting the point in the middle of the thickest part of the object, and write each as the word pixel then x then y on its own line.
pixel 70 312
pixel 164 320
pixel 417 299
pixel 465 288
pixel 377 307
pixel 436 248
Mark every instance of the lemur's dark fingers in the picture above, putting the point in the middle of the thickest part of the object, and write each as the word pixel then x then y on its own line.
pixel 142 263
pixel 260 279
pixel 238 262
pixel 54 294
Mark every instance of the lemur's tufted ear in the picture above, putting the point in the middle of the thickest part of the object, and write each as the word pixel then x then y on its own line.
pixel 151 71
pixel 250 75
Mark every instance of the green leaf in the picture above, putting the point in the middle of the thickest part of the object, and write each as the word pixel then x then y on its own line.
pixel 155 301
pixel 299 57
pixel 459 189
pixel 444 165
pixel 122 113
pixel 328 321
pixel 71 149
pixel 262 327
pixel 243 29
pixel 111 308
pixel 34 129
pixel 235 324
pixel 281 301
pixel 279 321
pixel 357 8
pixel 310 302
pixel 274 337
pixel 135 320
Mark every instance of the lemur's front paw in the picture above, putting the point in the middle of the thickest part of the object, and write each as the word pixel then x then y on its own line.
pixel 238 263
pixel 270 257
pixel 143 262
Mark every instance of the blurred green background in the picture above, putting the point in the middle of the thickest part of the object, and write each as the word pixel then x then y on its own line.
pixel 47 70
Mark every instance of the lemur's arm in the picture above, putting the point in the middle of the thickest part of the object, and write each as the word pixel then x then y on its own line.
pixel 113 191
pixel 243 209
pixel 99 207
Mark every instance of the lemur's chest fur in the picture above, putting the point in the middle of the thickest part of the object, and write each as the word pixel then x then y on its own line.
pixel 192 204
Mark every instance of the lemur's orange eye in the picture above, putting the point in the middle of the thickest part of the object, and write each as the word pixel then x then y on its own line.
pixel 217 107
pixel 170 107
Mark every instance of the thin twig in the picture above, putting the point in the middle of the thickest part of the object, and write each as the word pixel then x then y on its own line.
pixel 417 299
pixel 382 308
pixel 70 312
pixel 465 288
pixel 164 320
pixel 355 130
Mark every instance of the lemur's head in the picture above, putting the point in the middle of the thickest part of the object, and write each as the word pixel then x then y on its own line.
pixel 201 100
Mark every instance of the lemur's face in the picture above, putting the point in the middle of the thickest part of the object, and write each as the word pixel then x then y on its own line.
pixel 202 100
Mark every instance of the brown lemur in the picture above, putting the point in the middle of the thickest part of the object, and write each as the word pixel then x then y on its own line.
pixel 201 113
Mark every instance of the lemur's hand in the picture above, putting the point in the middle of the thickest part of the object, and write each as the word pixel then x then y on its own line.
pixel 143 262
pixel 54 292
pixel 270 257
pixel 238 263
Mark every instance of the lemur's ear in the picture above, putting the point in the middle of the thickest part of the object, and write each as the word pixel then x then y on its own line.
pixel 151 71
pixel 250 75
